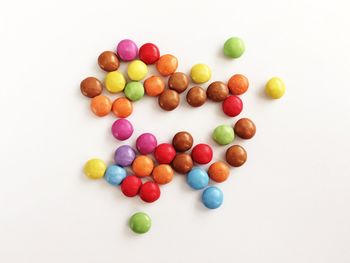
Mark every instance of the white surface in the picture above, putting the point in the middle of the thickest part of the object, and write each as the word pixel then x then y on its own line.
pixel 289 203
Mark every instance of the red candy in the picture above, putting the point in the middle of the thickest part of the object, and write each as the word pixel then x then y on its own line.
pixel 149 192
pixel 202 153
pixel 164 153
pixel 149 53
pixel 232 106
pixel 131 185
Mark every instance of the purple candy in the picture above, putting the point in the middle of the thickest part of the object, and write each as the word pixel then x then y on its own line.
pixel 122 129
pixel 124 155
pixel 146 143
pixel 127 50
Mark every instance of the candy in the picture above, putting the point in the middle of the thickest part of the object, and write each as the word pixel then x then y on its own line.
pixel 115 174
pixel 154 86
pixel 142 166
pixel 146 143
pixel 122 107
pixel 167 65
pixel 163 174
pixel 275 88
pixel 122 129
pixel 101 105
pixel 114 82
pixel 234 47
pixel 182 141
pixel 169 100
pixel 108 61
pixel 223 134
pixel 137 70
pixel 164 153
pixel 236 156
pixel 217 91
pixel 178 81
pixel 95 168
pixel 149 192
pixel 245 128
pixel 149 53
pixel 91 87
pixel 134 90
pixel 238 84
pixel 200 73
pixel 140 223
pixel 212 197
pixel 182 163
pixel 219 171
pixel 197 178
pixel 131 185
pixel 232 106
pixel 127 50
pixel 124 155
pixel 196 96
pixel 202 153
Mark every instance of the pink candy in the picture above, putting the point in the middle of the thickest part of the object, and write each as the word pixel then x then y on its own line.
pixel 146 143
pixel 122 129
pixel 127 50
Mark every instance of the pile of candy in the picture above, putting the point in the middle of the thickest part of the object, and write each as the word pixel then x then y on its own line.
pixel 159 161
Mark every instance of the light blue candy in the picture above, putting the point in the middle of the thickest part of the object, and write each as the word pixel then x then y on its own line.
pixel 197 178
pixel 212 197
pixel 115 174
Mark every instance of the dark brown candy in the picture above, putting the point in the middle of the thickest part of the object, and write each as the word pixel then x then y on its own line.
pixel 108 61
pixel 196 96
pixel 236 155
pixel 91 87
pixel 182 163
pixel 182 141
pixel 217 91
pixel 245 128
pixel 178 81
pixel 169 100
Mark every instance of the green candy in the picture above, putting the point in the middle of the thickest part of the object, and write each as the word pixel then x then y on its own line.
pixel 223 134
pixel 134 90
pixel 234 47
pixel 140 223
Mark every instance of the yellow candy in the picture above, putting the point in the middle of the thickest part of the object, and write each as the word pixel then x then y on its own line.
pixel 115 82
pixel 275 88
pixel 95 168
pixel 137 70
pixel 200 73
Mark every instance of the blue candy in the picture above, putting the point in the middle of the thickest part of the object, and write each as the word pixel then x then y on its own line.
pixel 115 174
pixel 212 197
pixel 197 178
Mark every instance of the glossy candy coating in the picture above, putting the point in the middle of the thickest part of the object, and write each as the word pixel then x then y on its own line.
pixel 108 61
pixel 217 91
pixel 212 197
pixel 154 86
pixel 196 96
pixel 91 87
pixel 163 173
pixel 122 107
pixel 219 171
pixel 122 129
pixel 232 106
pixel 101 105
pixel 142 166
pixel 134 90
pixel 140 223
pixel 275 88
pixel 127 50
pixel 178 81
pixel 234 47
pixel 182 163
pixel 115 82
pixel 166 65
pixel 146 143
pixel 169 100
pixel 197 178
pixel 137 70
pixel 124 155
pixel 164 153
pixel 200 73
pixel 223 134
pixel 245 128
pixel 236 156
pixel 202 153
pixel 115 174
pixel 238 84
pixel 149 192
pixel 149 53
pixel 95 168
pixel 131 185
pixel 182 141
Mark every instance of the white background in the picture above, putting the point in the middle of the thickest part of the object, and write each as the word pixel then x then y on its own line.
pixel 289 203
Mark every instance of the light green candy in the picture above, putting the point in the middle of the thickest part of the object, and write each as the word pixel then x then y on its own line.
pixel 140 223
pixel 223 134
pixel 234 47
pixel 134 90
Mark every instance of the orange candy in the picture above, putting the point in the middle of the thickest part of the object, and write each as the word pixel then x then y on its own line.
pixel 167 64
pixel 154 86
pixel 238 84
pixel 142 166
pixel 122 107
pixel 219 171
pixel 101 105
pixel 163 173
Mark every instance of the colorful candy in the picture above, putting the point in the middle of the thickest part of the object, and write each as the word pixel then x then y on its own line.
pixel 115 81
pixel 238 84
pixel 122 107
pixel 115 174
pixel 146 143
pixel 232 106
pixel 182 163
pixel 212 197
pixel 142 166
pixel 169 100
pixel 137 70
pixel 223 134
pixel 134 90
pixel 197 178
pixel 182 141
pixel 178 81
pixel 108 61
pixel 127 50
pixel 234 47
pixel 167 65
pixel 95 168
pixel 124 156
pixel 164 153
pixel 219 171
pixel 149 192
pixel 154 86
pixel 101 105
pixel 217 91
pixel 163 174
pixel 91 87
pixel 131 185
pixel 196 96
pixel 202 153
pixel 245 128
pixel 200 73
pixel 275 88
pixel 149 53
pixel 122 129
pixel 140 223
pixel 236 156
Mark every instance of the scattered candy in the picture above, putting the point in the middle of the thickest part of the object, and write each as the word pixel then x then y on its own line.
pixel 200 73
pixel 137 70
pixel 238 84
pixel 115 82
pixel 163 174
pixel 134 91
pixel 234 47
pixel 154 86
pixel 167 65
pixel 219 171
pixel 131 185
pixel 245 128
pixel 196 96
pixel 149 192
pixel 169 100
pixel 202 153
pixel 142 166
pixel 182 163
pixel 146 143
pixel 101 105
pixel 149 53
pixel 124 155
pixel 91 87
pixel 127 50
pixel 197 178
pixel 182 141
pixel 275 88
pixel 164 153
pixel 108 61
pixel 223 134
pixel 217 91
pixel 115 174
pixel 122 107
pixel 232 106
pixel 178 81
pixel 212 197
pixel 95 168
pixel 236 156
pixel 122 129
pixel 140 223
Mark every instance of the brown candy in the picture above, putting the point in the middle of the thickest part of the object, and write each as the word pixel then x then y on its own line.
pixel 178 81
pixel 236 155
pixel 182 141
pixel 182 163
pixel 169 100
pixel 217 91
pixel 245 128
pixel 108 61
pixel 196 96
pixel 91 87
